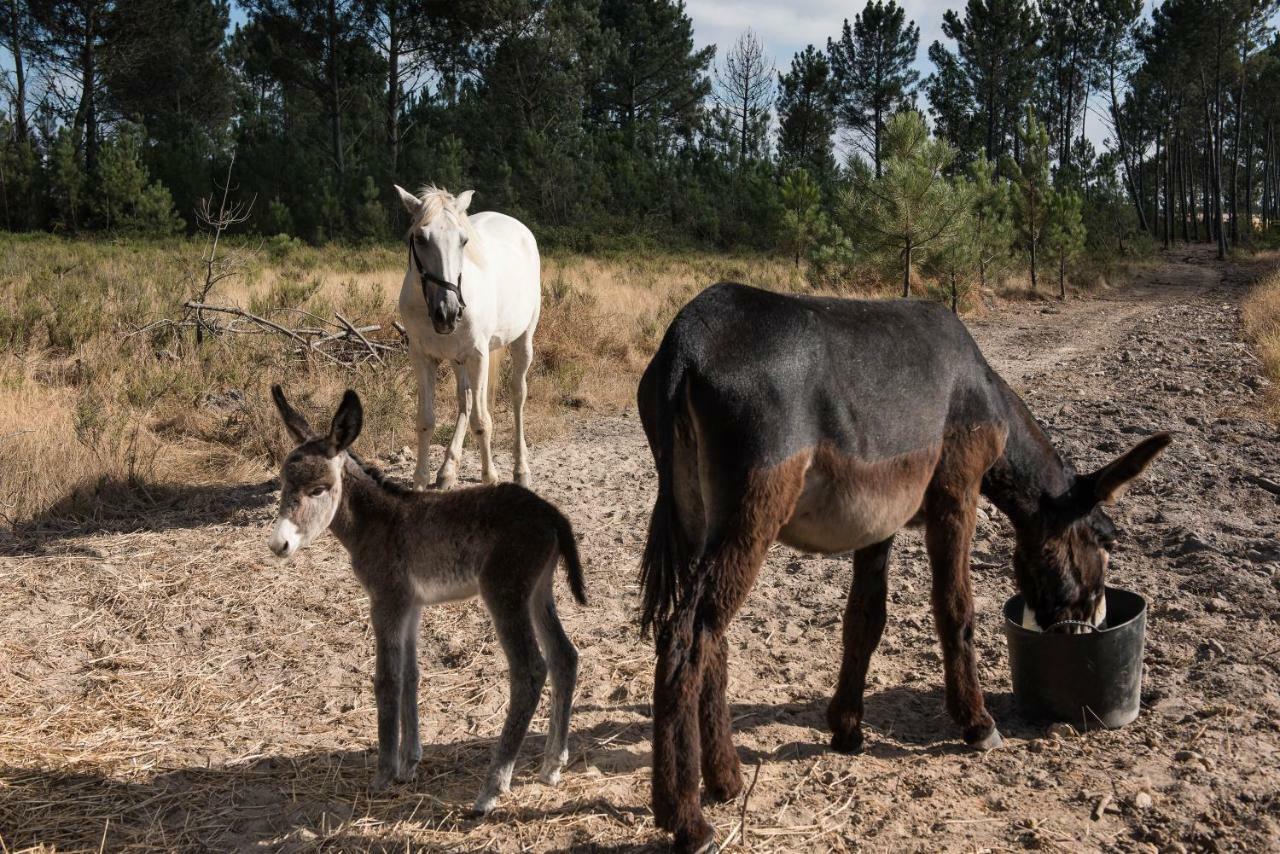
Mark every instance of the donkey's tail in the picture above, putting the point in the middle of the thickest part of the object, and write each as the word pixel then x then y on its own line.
pixel 572 562
pixel 658 399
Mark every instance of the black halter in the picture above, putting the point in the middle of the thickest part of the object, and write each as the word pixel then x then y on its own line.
pixel 426 275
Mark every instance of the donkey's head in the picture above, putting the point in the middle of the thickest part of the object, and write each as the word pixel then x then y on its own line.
pixel 1061 568
pixel 438 237
pixel 311 476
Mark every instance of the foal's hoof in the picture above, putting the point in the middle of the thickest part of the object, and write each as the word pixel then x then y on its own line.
pixel 550 775
pixel 484 805
pixel 847 742
pixel 989 741
pixel 382 780
pixel 408 771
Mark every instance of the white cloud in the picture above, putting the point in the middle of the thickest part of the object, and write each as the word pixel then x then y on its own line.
pixel 785 28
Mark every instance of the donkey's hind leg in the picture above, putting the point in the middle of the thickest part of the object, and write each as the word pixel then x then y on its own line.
pixel 562 656
pixel 864 618
pixel 514 626
pixel 410 740
pixel 390 616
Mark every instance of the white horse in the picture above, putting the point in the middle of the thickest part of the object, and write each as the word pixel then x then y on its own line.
pixel 473 285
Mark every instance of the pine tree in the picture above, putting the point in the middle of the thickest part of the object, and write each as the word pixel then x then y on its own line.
pixel 992 218
pixel 980 89
pixel 911 207
pixel 803 222
pixel 1032 190
pixel 744 93
pixel 1064 232
pixel 872 72
pixel 806 122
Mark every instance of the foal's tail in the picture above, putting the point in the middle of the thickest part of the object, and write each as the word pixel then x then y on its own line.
pixel 658 399
pixel 572 562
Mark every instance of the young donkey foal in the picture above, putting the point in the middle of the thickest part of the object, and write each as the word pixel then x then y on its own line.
pixel 412 549
pixel 829 425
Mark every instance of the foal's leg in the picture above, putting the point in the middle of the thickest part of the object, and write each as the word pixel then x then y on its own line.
pixel 410 742
pixel 950 508
pixel 562 656
pixel 864 617
pixel 390 617
pixel 481 422
pixel 427 368
pixel 448 475
pixel 521 358
pixel 514 628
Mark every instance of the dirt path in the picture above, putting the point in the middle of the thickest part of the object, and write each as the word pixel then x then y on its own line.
pixel 167 686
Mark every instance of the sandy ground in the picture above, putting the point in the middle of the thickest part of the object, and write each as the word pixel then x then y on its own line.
pixel 163 685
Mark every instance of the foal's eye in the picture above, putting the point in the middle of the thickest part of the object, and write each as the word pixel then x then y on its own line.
pixel 317 491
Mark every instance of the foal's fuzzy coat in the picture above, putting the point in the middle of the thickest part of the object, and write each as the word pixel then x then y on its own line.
pixel 412 549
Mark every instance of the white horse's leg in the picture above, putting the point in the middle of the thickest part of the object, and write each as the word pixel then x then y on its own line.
pixel 481 422
pixel 521 358
pixel 427 368
pixel 448 475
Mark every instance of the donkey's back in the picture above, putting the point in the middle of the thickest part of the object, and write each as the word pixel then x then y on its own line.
pixel 872 378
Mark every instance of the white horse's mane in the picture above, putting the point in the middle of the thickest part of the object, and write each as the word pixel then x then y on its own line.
pixel 437 201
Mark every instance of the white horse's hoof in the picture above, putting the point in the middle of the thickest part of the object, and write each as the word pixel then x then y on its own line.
pixel 522 478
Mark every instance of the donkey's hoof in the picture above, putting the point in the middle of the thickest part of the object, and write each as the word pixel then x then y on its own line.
pixel 989 741
pixel 550 775
pixel 847 742
pixel 484 805
pixel 723 791
pixel 408 771
pixel 699 840
pixel 382 781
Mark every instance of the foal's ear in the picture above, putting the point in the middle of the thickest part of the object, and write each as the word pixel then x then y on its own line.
pixel 1108 484
pixel 462 201
pixel 409 200
pixel 294 421
pixel 347 422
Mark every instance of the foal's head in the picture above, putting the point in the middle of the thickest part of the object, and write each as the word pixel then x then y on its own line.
pixel 1061 568
pixel 311 476
pixel 438 236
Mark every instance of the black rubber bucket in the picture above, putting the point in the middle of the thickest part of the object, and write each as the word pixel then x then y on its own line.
pixel 1088 680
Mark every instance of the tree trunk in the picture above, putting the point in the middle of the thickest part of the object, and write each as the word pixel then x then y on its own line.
pixel 1033 264
pixel 1062 276
pixel 86 117
pixel 1248 184
pixel 19 70
pixel 1124 152
pixel 335 100
pixel 393 86
pixel 906 271
pixel 955 295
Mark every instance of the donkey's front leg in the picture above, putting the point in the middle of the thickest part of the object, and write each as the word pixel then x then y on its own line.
pixel 427 368
pixel 389 618
pixel 864 618
pixel 950 518
pixel 481 422
pixel 448 474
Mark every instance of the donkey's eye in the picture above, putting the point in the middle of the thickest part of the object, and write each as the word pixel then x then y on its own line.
pixel 317 491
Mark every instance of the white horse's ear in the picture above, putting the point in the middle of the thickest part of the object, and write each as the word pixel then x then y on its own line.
pixel 409 200
pixel 463 201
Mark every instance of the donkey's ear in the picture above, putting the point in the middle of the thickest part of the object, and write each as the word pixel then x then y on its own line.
pixel 462 201
pixel 1108 484
pixel 347 422
pixel 294 421
pixel 409 200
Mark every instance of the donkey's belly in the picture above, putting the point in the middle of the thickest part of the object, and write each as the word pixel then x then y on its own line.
pixel 848 504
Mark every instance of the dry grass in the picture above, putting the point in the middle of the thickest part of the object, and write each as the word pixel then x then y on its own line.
pixel 1261 315
pixel 93 413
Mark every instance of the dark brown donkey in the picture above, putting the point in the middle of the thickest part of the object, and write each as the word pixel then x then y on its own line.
pixel 413 549
pixel 829 425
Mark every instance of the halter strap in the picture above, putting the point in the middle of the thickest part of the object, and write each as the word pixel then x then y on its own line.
pixel 426 276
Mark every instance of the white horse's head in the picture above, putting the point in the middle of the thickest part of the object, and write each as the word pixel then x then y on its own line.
pixel 439 232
